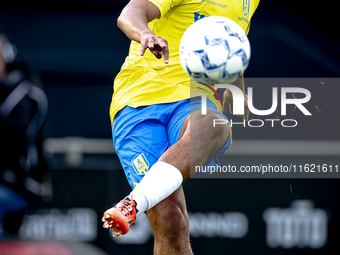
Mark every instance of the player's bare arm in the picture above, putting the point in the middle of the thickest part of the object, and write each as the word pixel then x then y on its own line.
pixel 228 98
pixel 133 21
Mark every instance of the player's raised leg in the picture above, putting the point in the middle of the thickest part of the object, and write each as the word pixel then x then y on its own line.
pixel 166 175
pixel 199 142
pixel 169 219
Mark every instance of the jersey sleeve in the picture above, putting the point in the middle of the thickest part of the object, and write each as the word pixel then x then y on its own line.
pixel 165 5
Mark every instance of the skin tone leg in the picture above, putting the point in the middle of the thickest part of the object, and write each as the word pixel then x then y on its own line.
pixel 169 219
pixel 170 224
pixel 208 140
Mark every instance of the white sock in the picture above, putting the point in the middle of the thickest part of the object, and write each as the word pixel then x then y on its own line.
pixel 158 183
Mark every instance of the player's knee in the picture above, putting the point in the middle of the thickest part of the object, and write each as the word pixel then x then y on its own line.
pixel 217 126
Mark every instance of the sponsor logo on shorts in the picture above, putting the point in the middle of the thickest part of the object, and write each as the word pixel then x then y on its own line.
pixel 140 165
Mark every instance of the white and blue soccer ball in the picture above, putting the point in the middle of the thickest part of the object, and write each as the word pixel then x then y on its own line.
pixel 215 50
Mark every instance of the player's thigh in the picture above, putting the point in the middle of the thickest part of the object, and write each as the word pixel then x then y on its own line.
pixel 188 117
pixel 207 141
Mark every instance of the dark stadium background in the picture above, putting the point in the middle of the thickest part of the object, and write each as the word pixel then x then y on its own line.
pixel 76 49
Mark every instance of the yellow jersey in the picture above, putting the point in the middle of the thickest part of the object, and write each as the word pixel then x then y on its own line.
pixel 146 80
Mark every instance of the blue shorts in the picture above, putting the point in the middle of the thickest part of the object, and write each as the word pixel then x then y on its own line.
pixel 141 135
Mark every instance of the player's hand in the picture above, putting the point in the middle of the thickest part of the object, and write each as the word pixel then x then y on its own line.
pixel 228 101
pixel 157 45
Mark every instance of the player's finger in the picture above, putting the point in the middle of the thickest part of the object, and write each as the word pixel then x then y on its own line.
pixel 231 108
pixel 246 114
pixel 161 45
pixel 246 109
pixel 166 54
pixel 224 106
pixel 226 101
pixel 151 44
pixel 143 49
pixel 165 50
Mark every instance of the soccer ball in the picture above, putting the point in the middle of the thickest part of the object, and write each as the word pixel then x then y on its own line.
pixel 215 50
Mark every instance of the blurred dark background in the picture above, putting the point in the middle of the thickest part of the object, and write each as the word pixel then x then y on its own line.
pixel 76 49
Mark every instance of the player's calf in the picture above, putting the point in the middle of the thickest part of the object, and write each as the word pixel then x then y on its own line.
pixel 170 224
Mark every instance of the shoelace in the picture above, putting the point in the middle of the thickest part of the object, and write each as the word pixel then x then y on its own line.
pixel 127 207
